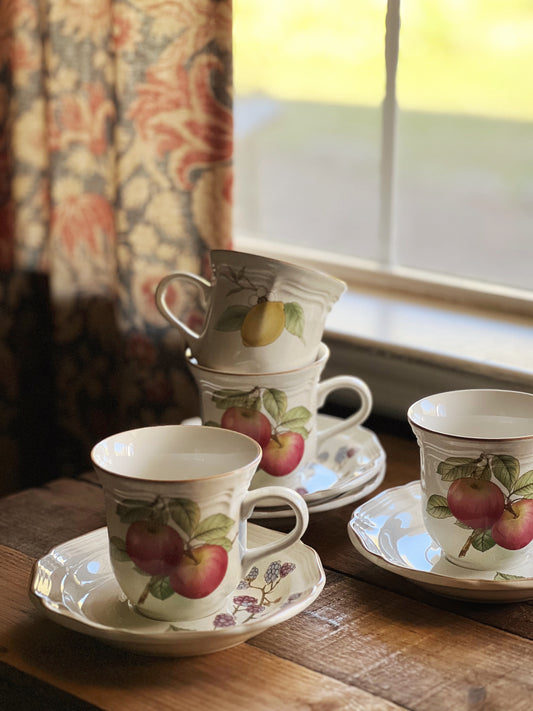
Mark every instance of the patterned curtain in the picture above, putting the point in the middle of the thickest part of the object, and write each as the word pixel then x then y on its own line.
pixel 115 169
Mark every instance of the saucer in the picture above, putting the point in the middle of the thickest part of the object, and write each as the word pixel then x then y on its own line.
pixel 74 585
pixel 329 504
pixel 345 461
pixel 389 531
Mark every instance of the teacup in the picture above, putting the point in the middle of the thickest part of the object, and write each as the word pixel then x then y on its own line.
pixel 262 315
pixel 177 499
pixel 278 410
pixel 476 456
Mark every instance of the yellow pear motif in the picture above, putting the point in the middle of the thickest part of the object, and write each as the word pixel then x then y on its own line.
pixel 263 324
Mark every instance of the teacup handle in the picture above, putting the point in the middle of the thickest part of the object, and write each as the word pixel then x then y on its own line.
pixel 286 496
pixel 160 299
pixel 337 383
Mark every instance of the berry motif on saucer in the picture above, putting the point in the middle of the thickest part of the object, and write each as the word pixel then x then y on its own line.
pixel 248 607
pixel 340 460
pixel 340 456
pixel 263 321
pixel 170 543
pixel 493 513
pixel 262 414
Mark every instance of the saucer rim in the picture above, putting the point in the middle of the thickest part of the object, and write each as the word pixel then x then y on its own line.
pixel 430 579
pixel 169 642
pixel 329 504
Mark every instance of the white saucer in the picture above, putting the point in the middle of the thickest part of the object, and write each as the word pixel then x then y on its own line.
pixel 74 585
pixel 344 462
pixel 329 504
pixel 389 531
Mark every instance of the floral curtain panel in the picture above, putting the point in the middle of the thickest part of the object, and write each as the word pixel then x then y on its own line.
pixel 115 169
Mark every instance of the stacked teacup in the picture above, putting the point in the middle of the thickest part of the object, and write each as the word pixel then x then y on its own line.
pixel 259 357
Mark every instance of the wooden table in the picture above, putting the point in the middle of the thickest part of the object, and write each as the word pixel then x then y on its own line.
pixel 371 640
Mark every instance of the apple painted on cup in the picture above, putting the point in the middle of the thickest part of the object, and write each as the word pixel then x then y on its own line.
pixel 154 547
pixel 261 413
pixel 169 542
pixel 489 498
pixel 514 529
pixel 248 421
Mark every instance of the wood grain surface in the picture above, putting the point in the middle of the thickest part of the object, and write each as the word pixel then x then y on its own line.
pixel 372 640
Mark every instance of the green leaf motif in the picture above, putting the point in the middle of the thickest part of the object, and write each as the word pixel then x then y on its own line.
pixel 457 468
pixel 508 576
pixel 301 431
pixel 224 399
pixel 506 469
pixel 524 486
pixel 296 417
pixel 224 542
pixel 231 319
pixel 160 588
pixel 294 319
pixel 117 549
pixel 437 506
pixel 185 513
pixel 131 510
pixel 482 540
pixel 275 403
pixel 460 524
pixel 213 527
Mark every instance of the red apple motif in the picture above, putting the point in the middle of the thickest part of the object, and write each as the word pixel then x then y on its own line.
pixel 478 503
pixel 200 571
pixel 514 528
pixel 283 453
pixel 154 547
pixel 249 422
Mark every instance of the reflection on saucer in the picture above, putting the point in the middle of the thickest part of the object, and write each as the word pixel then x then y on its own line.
pixel 389 531
pixel 350 497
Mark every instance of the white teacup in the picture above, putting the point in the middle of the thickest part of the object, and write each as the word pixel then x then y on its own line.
pixel 262 315
pixel 177 501
pixel 476 455
pixel 278 410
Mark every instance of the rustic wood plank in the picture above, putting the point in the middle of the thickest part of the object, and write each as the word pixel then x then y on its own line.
pixel 417 656
pixel 34 520
pixel 113 679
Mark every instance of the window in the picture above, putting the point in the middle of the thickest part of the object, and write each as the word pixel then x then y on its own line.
pixel 309 113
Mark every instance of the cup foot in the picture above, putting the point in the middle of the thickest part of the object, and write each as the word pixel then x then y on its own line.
pixel 176 621
pixel 510 564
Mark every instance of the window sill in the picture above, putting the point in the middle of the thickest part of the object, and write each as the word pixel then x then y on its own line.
pixel 408 343
pixel 406 347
